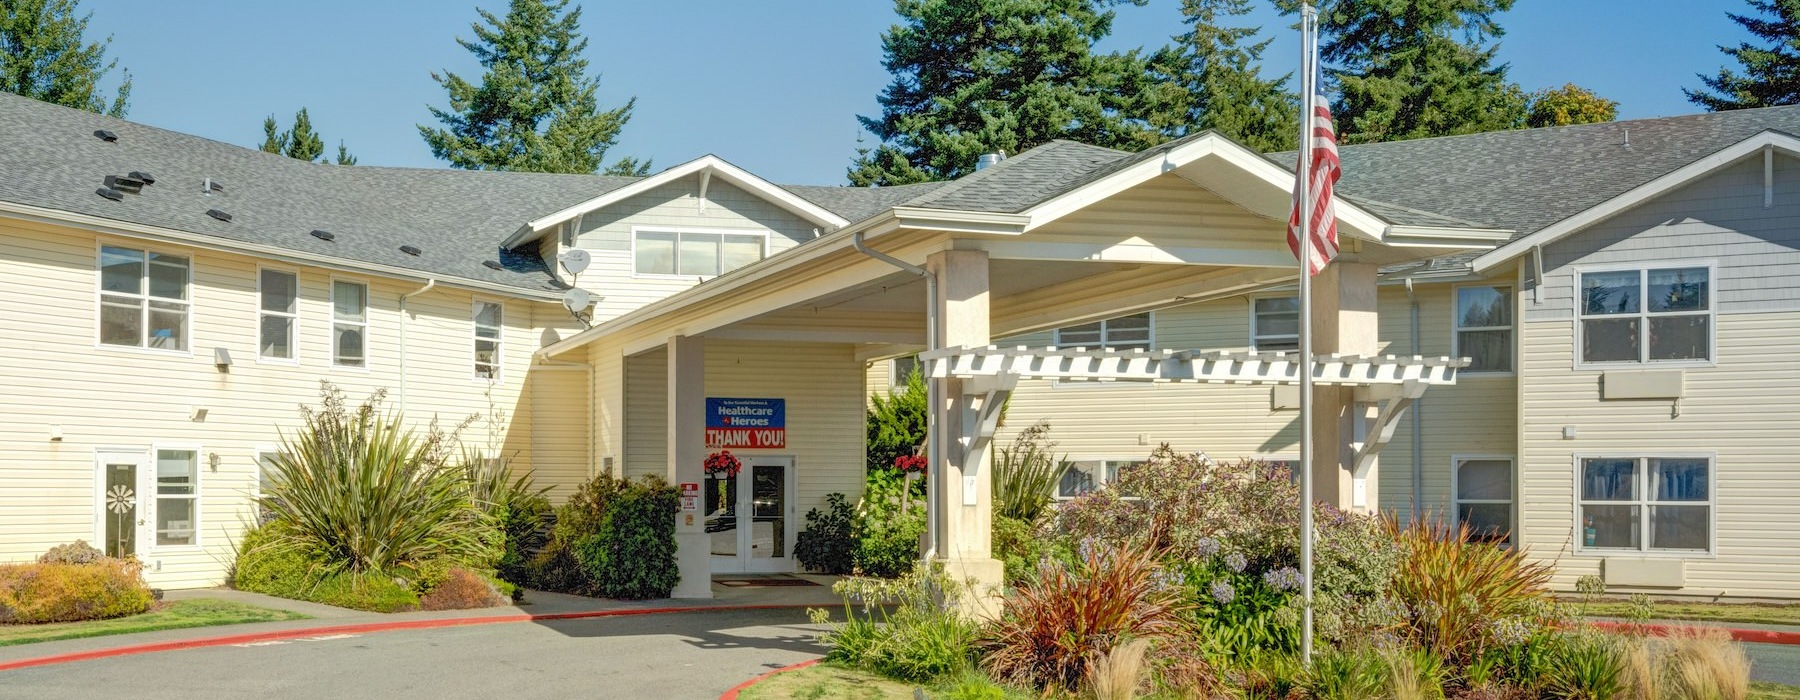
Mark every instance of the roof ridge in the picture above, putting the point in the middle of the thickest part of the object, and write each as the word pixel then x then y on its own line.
pixel 983 174
pixel 1563 127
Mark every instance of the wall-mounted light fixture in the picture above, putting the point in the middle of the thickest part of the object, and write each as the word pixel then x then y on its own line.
pixel 212 461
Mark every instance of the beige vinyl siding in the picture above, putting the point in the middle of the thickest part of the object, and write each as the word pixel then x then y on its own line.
pixel 646 412
pixel 106 397
pixel 560 426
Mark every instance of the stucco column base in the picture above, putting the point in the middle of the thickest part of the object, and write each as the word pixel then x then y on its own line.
pixel 693 557
pixel 980 585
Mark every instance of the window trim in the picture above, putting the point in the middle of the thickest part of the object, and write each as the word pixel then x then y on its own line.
pixel 765 234
pixel 100 245
pixel 367 322
pixel 198 497
pixel 1644 550
pixel 1252 329
pixel 1056 492
pixel 1150 318
pixel 1512 468
pixel 1456 330
pixel 499 340
pixel 294 334
pixel 1643 269
pixel 895 380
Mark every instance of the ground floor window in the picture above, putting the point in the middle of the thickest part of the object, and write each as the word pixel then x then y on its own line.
pixel 1484 497
pixel 1085 476
pixel 177 497
pixel 1646 503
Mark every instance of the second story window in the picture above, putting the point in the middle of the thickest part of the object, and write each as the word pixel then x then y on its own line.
pixel 1122 333
pixel 697 254
pixel 1275 324
pixel 1484 328
pixel 1645 316
pixel 488 325
pixel 280 293
pixel 143 299
pixel 349 323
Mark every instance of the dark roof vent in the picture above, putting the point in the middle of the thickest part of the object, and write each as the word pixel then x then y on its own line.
pixel 222 216
pixel 110 193
pixel 141 175
pixel 106 136
pixel 128 185
pixel 412 250
pixel 323 235
pixel 492 265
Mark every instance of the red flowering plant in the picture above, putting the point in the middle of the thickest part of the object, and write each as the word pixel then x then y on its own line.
pixel 910 464
pixel 723 463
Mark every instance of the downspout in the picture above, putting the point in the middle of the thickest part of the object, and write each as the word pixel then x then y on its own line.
pixel 1418 412
pixel 429 284
pixel 933 436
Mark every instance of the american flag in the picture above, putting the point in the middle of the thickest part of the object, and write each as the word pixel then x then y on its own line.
pixel 1321 141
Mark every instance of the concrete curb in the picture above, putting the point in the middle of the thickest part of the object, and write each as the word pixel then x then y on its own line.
pixel 365 628
pixel 1751 636
pixel 741 687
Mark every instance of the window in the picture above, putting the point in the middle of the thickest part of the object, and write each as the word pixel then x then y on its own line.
pixel 1122 333
pixel 265 469
pixel 280 299
pixel 900 369
pixel 1085 476
pixel 349 323
pixel 1484 328
pixel 177 497
pixel 143 299
pixel 1646 503
pixel 1275 323
pixel 1484 491
pixel 487 339
pixel 691 253
pixel 1671 308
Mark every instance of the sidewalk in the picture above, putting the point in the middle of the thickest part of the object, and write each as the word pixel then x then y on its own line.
pixel 326 619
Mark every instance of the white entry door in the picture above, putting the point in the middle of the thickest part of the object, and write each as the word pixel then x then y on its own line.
pixel 122 502
pixel 750 517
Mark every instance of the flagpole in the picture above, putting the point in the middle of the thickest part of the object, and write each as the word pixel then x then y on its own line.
pixel 1303 182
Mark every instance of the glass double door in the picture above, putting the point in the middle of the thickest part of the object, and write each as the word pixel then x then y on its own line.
pixel 750 517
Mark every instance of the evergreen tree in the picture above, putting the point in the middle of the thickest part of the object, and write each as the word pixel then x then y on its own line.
pixel 1770 74
pixel 1211 79
pixel 274 140
pixel 983 76
pixel 43 56
pixel 343 155
pixel 896 422
pixel 301 142
pixel 1570 104
pixel 535 107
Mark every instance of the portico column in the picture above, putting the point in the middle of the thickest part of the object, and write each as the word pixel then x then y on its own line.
pixel 964 523
pixel 1344 321
pixel 687 456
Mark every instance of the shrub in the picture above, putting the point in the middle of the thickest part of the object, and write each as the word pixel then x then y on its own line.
pixel 890 519
pixel 632 554
pixel 555 567
pixel 1020 545
pixel 517 506
pixel 1241 611
pixel 462 589
pixel 828 544
pixel 896 423
pixel 1584 667
pixel 906 631
pixel 64 592
pixel 279 568
pixel 1458 592
pixel 1357 673
pixel 1026 474
pixel 77 552
pixel 1052 626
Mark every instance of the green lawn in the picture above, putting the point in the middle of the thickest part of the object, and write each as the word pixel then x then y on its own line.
pixel 1772 691
pixel 827 682
pixel 1707 612
pixel 200 612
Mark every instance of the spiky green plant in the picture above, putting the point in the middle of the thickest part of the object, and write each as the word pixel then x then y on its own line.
pixel 1026 473
pixel 359 492
pixel 1457 589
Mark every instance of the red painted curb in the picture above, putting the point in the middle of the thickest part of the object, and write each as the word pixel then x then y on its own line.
pixel 1740 635
pixel 741 687
pixel 363 628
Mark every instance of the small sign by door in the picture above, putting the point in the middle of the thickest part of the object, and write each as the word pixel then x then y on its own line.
pixel 690 496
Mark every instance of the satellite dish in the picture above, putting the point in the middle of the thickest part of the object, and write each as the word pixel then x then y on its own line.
pixel 577 300
pixel 575 260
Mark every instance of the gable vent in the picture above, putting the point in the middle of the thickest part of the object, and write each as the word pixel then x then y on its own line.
pixel 128 185
pixel 107 136
pixel 492 265
pixel 412 250
pixel 323 235
pixel 141 175
pixel 222 216
pixel 110 193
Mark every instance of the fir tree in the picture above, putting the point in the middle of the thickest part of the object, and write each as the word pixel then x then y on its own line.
pixel 982 76
pixel 1769 75
pixel 343 155
pixel 535 108
pixel 301 142
pixel 1211 79
pixel 43 56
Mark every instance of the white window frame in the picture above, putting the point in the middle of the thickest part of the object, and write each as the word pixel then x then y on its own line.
pixel 677 231
pixel 1106 342
pixel 1255 338
pixel 1643 503
pixel 1109 473
pixel 896 380
pixel 475 340
pixel 1644 315
pixel 364 325
pixel 197 497
pixel 293 318
pixel 259 487
pixel 1507 291
pixel 1512 504
pixel 144 299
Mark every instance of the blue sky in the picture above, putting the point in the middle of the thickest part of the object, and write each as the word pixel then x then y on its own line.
pixel 772 86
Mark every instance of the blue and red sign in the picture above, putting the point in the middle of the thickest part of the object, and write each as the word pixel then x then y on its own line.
pixel 746 423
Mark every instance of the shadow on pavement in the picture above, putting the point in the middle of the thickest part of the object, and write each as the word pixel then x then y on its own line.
pixel 783 629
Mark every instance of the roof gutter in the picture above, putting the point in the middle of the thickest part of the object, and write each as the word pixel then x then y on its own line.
pixel 168 235
pixel 1400 236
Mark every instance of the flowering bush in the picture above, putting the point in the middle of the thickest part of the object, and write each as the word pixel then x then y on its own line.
pixel 723 463
pixel 910 463
pixel 890 519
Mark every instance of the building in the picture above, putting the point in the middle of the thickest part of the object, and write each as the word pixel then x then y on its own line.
pixel 173 300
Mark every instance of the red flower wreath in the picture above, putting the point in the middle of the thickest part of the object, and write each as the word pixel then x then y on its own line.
pixel 910 463
pixel 723 463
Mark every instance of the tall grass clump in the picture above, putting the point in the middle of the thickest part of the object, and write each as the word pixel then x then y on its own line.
pixel 1026 473
pixel 1704 664
pixel 1119 673
pixel 1459 592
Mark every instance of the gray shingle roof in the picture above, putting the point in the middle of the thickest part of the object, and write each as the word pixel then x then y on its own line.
pixel 858 203
pixel 1015 184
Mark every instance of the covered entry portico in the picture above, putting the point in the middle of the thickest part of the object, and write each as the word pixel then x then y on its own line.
pixel 1199 219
